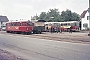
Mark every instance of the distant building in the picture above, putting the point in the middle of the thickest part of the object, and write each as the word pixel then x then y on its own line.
pixel 3 20
pixel 85 23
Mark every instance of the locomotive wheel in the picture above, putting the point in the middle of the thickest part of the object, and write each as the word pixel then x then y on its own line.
pixel 27 33
pixel 39 32
pixel 23 33
pixel 34 32
pixel 8 32
pixel 68 30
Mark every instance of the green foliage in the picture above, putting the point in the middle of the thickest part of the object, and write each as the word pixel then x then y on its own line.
pixel 53 15
pixel 70 16
pixel 43 15
pixel 34 18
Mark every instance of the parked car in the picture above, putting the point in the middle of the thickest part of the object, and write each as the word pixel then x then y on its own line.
pixel 3 28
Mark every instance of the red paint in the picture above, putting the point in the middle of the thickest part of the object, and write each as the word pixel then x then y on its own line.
pixel 19 26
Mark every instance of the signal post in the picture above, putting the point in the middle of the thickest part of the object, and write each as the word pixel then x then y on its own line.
pixel 89 17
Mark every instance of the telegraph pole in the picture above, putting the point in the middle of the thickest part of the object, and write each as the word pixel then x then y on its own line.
pixel 89 17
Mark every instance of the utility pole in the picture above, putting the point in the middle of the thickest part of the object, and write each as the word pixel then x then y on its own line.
pixel 89 17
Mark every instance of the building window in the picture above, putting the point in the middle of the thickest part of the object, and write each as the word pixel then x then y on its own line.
pixel 85 25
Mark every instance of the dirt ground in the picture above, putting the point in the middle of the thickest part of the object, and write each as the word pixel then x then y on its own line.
pixel 74 37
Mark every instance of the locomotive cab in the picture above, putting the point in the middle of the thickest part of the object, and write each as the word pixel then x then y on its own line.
pixel 39 26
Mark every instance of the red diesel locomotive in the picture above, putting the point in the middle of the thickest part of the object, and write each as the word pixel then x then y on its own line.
pixel 25 27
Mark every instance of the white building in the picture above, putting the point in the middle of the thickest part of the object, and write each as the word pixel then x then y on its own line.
pixel 3 20
pixel 85 23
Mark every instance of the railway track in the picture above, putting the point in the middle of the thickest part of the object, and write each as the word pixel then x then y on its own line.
pixel 65 37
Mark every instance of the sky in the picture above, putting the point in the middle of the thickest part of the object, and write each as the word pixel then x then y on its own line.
pixel 24 9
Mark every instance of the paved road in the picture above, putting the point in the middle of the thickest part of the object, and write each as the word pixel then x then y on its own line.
pixel 41 49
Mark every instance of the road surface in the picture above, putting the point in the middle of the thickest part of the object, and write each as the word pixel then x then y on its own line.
pixel 42 49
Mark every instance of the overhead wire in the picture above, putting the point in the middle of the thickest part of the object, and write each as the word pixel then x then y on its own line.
pixel 77 3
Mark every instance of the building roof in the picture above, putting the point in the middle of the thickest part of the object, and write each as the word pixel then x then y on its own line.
pixel 41 21
pixel 3 19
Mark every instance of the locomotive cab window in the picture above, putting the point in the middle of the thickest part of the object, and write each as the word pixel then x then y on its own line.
pixel 18 24
pixel 15 24
pixel 29 24
pixel 10 24
pixel 24 24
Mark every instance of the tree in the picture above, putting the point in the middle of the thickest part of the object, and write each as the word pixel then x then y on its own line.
pixel 70 16
pixel 43 15
pixel 34 17
pixel 51 13
pixel 55 14
pixel 75 17
pixel 57 17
